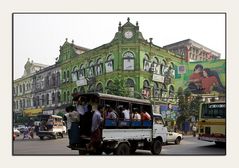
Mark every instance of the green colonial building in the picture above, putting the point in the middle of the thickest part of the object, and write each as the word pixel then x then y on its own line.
pixel 129 63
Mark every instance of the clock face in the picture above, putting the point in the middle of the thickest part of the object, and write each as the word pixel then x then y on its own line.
pixel 128 34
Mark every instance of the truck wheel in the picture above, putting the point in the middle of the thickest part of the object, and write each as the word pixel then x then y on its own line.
pixel 156 147
pixel 108 151
pixel 62 136
pixel 177 141
pixel 41 137
pixel 122 149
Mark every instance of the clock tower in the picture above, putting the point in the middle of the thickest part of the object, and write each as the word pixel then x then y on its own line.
pixel 128 33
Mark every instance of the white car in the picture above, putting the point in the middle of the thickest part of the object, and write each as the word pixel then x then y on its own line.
pixel 16 132
pixel 174 137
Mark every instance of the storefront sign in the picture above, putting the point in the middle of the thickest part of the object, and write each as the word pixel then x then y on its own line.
pixel 158 78
pixel 48 112
pixel 32 112
pixel 81 82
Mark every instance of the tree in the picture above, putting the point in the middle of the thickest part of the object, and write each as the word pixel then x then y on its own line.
pixel 188 105
pixel 118 87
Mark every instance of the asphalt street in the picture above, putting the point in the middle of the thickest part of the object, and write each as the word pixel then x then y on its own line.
pixel 188 146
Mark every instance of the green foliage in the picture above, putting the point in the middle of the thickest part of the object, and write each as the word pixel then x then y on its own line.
pixel 188 105
pixel 119 88
pixel 22 119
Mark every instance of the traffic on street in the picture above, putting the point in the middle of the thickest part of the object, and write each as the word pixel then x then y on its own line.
pixel 189 146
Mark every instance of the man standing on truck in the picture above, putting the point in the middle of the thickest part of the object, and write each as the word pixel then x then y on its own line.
pixel 95 129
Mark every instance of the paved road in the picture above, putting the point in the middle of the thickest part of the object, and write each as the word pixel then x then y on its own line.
pixel 188 146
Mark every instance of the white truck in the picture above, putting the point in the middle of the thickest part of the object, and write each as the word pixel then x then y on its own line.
pixel 124 137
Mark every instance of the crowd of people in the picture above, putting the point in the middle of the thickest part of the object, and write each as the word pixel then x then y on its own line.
pixel 85 117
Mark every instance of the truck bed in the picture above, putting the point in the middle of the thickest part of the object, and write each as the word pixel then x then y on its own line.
pixel 129 134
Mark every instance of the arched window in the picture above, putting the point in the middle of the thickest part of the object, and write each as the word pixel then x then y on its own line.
pixel 91 88
pixel 156 90
pixel 75 90
pixel 68 96
pixel 130 85
pixel 109 64
pixel 109 87
pixel 99 67
pixel 155 65
pixel 23 88
pixel 90 69
pixel 99 88
pixel 23 103
pixel 64 76
pixel 64 96
pixel 53 98
pixel 58 78
pixel 172 70
pixel 47 99
pixel 81 71
pixel 171 92
pixel 81 89
pixel 146 63
pixel 74 74
pixel 53 79
pixel 38 101
pixel 146 89
pixel 68 76
pixel 163 68
pixel 128 58
pixel 58 96
pixel 163 91
pixel 42 100
pixel 20 103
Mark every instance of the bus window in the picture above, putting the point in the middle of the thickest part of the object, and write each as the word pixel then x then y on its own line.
pixel 213 110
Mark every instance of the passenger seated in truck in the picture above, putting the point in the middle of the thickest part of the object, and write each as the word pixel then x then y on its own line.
pixel 135 115
pixel 145 116
pixel 126 113
pixel 120 112
pixel 111 113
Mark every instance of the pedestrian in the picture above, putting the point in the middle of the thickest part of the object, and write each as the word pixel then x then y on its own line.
pixel 26 133
pixel 31 132
pixel 194 129
pixel 74 117
pixel 68 124
pixel 95 129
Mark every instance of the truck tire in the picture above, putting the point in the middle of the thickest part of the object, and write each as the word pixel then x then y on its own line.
pixel 108 151
pixel 41 137
pixel 122 149
pixel 156 147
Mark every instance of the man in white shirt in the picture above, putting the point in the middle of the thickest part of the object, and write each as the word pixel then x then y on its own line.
pixel 126 113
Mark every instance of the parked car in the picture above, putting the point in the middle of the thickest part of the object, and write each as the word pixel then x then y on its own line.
pixel 16 132
pixel 21 128
pixel 174 137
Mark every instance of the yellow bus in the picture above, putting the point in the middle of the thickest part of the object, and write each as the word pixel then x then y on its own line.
pixel 212 122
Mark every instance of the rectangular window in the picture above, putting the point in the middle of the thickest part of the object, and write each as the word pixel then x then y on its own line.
pixel 129 64
pixel 109 66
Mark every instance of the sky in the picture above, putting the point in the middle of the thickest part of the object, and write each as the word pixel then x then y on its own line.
pixel 39 36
